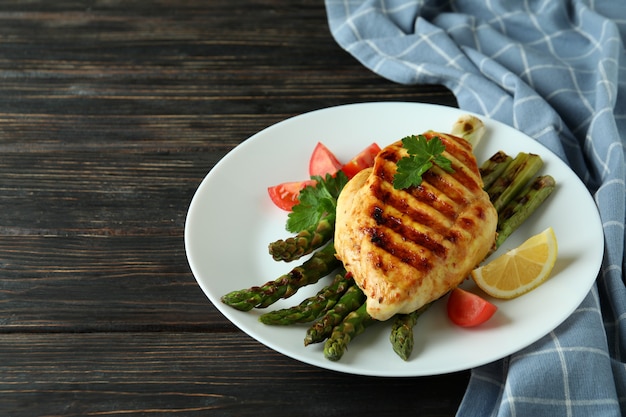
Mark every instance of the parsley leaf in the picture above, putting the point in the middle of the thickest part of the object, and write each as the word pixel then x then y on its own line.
pixel 316 202
pixel 423 154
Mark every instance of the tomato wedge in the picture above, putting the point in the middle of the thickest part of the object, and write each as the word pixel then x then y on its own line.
pixel 285 195
pixel 364 159
pixel 467 309
pixel 323 161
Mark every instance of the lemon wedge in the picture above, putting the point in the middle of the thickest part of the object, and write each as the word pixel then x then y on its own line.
pixel 519 270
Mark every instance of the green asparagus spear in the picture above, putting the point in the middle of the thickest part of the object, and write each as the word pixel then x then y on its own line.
pixel 523 167
pixel 323 326
pixel 401 336
pixel 312 307
pixel 353 325
pixel 304 242
pixel 321 263
pixel 522 206
pixel 493 168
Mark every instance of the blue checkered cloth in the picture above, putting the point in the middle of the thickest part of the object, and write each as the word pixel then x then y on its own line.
pixel 556 70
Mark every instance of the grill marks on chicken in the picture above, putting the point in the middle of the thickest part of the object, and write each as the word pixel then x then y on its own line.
pixel 406 248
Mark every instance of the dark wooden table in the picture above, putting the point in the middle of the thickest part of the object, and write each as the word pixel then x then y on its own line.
pixel 111 114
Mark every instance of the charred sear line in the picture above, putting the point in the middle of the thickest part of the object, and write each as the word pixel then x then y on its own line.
pixel 456 147
pixel 466 223
pixel 408 233
pixel 387 243
pixel 463 161
pixel 390 154
pixel 445 185
pixel 453 236
pixel 386 171
pixel 396 199
pixel 427 196
pixel 461 174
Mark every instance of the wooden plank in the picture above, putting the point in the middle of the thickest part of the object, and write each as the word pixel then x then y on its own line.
pixel 109 119
pixel 108 193
pixel 177 75
pixel 196 374
pixel 101 283
pixel 111 113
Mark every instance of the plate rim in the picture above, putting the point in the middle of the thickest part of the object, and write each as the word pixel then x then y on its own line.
pixel 339 366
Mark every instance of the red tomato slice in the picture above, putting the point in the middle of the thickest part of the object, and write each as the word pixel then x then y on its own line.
pixel 323 161
pixel 364 159
pixel 285 195
pixel 466 309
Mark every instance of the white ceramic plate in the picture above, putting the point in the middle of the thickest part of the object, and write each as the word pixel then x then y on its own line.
pixel 231 220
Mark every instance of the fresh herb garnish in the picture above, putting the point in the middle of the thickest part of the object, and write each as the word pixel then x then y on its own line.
pixel 423 154
pixel 317 201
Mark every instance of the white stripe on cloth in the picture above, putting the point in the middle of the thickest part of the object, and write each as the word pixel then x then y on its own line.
pixel 556 70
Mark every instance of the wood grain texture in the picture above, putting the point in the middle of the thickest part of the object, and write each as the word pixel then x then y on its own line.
pixel 193 374
pixel 111 114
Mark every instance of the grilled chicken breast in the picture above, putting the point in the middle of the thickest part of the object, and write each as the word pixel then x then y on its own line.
pixel 406 248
